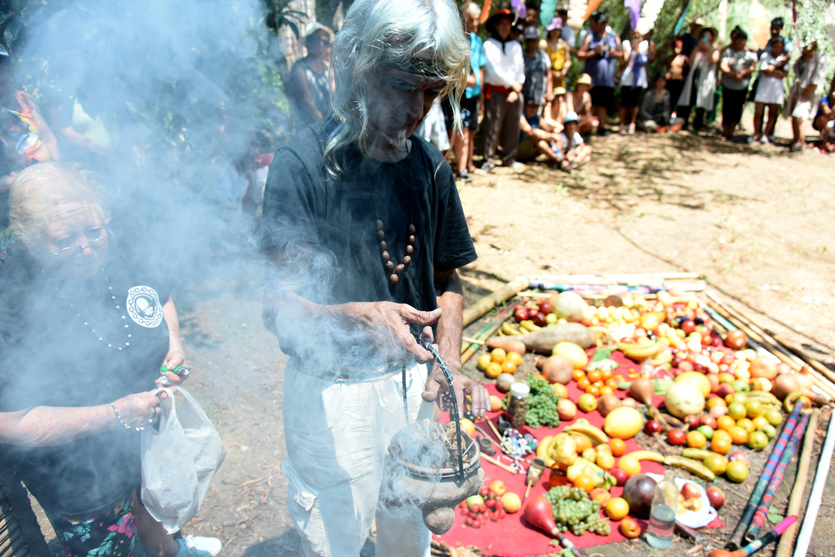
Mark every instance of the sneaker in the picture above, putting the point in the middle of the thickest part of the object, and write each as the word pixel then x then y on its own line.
pixel 796 148
pixel 488 165
pixel 463 176
pixel 517 166
pixel 187 549
pixel 750 139
pixel 210 545
pixel 602 132
pixel 631 129
pixel 622 130
pixel 771 139
pixel 764 140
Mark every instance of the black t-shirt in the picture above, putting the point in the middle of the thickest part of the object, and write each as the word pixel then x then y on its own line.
pixel 48 357
pixel 304 205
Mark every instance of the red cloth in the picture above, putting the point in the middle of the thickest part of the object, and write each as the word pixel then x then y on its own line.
pixel 513 536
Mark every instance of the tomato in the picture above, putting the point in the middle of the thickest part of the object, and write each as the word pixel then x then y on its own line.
pixel 607 390
pixel 594 375
pixel 578 374
pixel 607 374
pixel 508 367
pixel 618 446
pixel 583 384
pixel 593 390
pixel 676 437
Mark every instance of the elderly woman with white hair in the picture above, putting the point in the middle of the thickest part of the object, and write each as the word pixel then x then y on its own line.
pixel 83 335
pixel 363 233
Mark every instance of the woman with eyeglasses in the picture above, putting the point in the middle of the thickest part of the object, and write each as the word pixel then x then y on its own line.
pixel 309 86
pixel 83 335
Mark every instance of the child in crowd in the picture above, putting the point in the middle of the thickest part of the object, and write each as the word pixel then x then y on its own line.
pixel 556 109
pixel 559 52
pixel 769 90
pixel 824 122
pixel 655 110
pixel 537 134
pixel 676 66
pixel 637 53
pixel 579 101
pixel 571 149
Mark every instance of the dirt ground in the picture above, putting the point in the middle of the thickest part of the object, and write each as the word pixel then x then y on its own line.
pixel 755 221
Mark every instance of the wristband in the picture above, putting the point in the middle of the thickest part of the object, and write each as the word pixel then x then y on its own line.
pixel 126 426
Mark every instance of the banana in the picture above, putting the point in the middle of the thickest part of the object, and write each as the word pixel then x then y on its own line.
pixel 509 329
pixel 530 325
pixel 692 466
pixel 642 350
pixel 696 454
pixel 663 357
pixel 595 434
pixel 764 397
pixel 646 455
pixel 658 417
pixel 543 448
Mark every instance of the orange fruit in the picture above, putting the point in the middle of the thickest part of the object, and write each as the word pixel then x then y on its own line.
pixel 498 355
pixel 594 375
pixel 578 374
pixel 696 439
pixel 509 367
pixel 607 390
pixel 493 370
pixel 612 383
pixel 630 465
pixel 617 508
pixel 725 423
pixel 584 482
pixel 583 384
pixel 514 357
pixel 715 401
pixel 739 435
pixel 593 390
pixel 598 384
pixel 607 374
pixel 582 441
pixel 618 446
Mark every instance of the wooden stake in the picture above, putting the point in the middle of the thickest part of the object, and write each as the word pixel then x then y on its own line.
pixel 492 460
pixel 811 514
pixel 494 299
pixel 473 341
pixel 784 549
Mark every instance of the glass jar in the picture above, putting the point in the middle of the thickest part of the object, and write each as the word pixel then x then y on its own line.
pixel 517 406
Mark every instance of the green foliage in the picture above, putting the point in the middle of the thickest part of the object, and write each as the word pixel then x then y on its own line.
pixel 15 17
pixel 279 14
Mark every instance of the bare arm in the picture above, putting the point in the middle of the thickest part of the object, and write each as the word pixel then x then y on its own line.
pixel 583 53
pixel 301 93
pixel 618 52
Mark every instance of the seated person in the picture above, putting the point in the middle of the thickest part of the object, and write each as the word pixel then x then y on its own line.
pixel 824 122
pixel 571 149
pixel 536 136
pixel 656 108
pixel 579 102
pixel 556 109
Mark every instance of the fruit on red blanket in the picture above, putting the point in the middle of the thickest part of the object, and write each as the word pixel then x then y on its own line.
pixel 630 528
pixel 498 487
pixel 495 403
pixel 652 427
pixel 716 497
pixel 511 502
pixel 566 409
pixel 690 491
pixel 620 475
pixel 587 403
pixel 638 492
pixel 676 437
pixel 600 495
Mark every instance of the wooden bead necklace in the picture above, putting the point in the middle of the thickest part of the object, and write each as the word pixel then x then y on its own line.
pixel 395 270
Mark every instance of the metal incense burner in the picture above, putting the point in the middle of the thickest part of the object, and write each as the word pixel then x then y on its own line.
pixel 436 488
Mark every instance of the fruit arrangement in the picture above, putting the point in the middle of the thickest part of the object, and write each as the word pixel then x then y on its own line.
pixel 542 404
pixel 488 505
pixel 575 511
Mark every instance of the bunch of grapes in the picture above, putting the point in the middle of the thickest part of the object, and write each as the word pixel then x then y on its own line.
pixel 542 404
pixel 573 510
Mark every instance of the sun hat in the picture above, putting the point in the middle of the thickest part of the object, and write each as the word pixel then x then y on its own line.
pixel 316 26
pixel 556 23
pixel 559 91
pixel 584 79
pixel 531 33
pixel 571 117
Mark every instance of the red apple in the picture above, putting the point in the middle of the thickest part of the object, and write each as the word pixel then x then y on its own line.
pixel 692 421
pixel 739 456
pixel 676 437
pixel 728 358
pixel 725 389
pixel 545 307
pixel 708 420
pixel 716 497
pixel 630 528
pixel 520 314
pixel 620 475
pixel 690 491
pixel 600 495
pixel 538 319
pixel 714 382
pixel 652 427
pixel 498 487
pixel 686 365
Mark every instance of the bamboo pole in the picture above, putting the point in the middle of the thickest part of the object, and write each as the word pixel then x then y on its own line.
pixel 468 350
pixel 492 460
pixel 792 347
pixel 784 549
pixel 811 514
pixel 494 299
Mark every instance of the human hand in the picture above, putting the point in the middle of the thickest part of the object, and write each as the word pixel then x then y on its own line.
pixel 512 97
pixel 462 386
pixel 175 357
pixel 137 410
pixel 388 318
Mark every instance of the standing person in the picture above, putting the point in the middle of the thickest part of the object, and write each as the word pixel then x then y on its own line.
pixel 689 42
pixel 676 65
pixel 558 51
pixel 655 109
pixel 808 86
pixel 777 34
pixel 700 85
pixel 737 65
pixel 309 86
pixel 637 53
pixel 363 235
pixel 537 87
pixel 600 51
pixel 567 32
pixel 504 75
pixel 471 101
pixel 579 101
pixel 769 91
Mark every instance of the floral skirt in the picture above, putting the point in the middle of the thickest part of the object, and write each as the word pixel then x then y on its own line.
pixel 112 533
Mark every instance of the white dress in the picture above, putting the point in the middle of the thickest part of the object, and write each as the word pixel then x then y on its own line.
pixel 769 89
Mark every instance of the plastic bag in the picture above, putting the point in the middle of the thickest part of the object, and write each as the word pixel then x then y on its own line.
pixel 179 459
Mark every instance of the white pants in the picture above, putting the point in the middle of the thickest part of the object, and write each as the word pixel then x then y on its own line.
pixel 337 438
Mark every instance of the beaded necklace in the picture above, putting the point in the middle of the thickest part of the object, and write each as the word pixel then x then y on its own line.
pixel 118 309
pixel 396 269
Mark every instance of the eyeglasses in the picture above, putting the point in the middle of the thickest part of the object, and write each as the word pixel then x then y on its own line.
pixel 324 42
pixel 72 251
